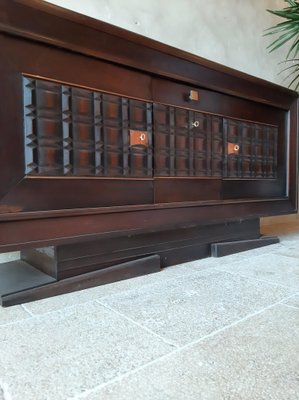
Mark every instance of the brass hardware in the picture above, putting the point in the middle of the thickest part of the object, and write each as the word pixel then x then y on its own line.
pixel 233 148
pixel 195 124
pixel 193 95
pixel 138 138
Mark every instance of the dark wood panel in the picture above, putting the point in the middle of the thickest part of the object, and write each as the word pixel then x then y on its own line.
pixel 123 271
pixel 168 92
pixel 30 58
pixel 61 230
pixel 69 252
pixel 227 248
pixel 256 154
pixel 37 194
pixel 11 125
pixel 261 133
pixel 78 132
pixel 84 264
pixel 280 164
pixel 21 56
pixel 292 161
pixel 263 189
pixel 174 246
pixel 168 257
pixel 187 143
pixel 169 190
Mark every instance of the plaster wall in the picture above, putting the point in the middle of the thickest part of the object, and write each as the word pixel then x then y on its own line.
pixel 229 32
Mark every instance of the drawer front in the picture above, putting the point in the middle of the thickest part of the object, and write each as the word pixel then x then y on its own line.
pixel 208 101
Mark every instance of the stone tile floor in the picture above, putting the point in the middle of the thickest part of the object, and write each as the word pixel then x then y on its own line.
pixel 213 329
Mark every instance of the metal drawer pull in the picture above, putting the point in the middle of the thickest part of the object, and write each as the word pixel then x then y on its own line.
pixel 195 124
pixel 233 148
pixel 138 138
pixel 193 95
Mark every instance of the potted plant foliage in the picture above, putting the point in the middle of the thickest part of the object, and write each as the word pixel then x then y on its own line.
pixel 287 32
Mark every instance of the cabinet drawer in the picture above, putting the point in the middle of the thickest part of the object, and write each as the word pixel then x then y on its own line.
pixel 176 94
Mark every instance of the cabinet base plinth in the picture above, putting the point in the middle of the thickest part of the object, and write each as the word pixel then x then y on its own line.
pixel 227 248
pixel 50 271
pixel 119 272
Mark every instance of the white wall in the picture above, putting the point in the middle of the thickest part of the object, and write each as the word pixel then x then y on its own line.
pixel 229 32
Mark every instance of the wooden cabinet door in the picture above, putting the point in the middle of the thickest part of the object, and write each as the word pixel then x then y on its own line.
pixel 188 154
pixel 66 126
pixel 215 146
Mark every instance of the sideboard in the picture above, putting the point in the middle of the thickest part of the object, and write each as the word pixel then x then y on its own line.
pixel 121 155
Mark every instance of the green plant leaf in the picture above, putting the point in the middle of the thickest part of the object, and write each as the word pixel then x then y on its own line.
pixel 292 15
pixel 293 81
pixel 283 26
pixel 287 32
pixel 296 71
pixel 288 68
pixel 295 47
pixel 282 40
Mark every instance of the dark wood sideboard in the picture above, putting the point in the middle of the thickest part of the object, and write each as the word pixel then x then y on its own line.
pixel 121 155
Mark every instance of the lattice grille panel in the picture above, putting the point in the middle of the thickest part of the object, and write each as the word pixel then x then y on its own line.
pixel 78 132
pixel 187 143
pixel 257 157
pixel 71 131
